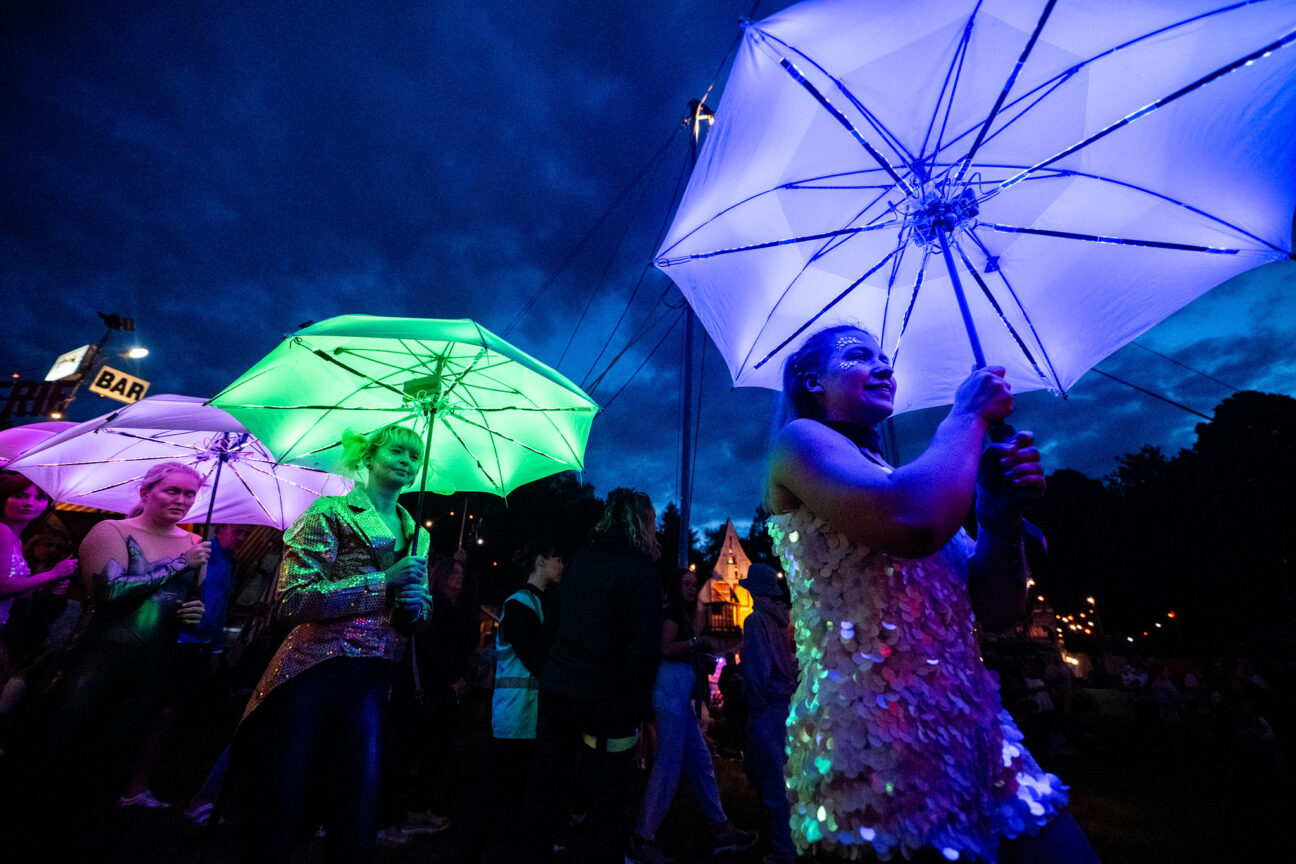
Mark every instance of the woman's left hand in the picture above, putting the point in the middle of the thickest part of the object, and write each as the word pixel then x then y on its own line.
pixel 1010 474
pixel 190 612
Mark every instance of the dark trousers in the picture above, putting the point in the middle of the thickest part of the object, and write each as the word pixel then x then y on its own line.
pixel 606 778
pixel 497 801
pixel 312 753
pixel 764 758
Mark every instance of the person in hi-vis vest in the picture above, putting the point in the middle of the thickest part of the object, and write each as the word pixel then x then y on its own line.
pixel 519 655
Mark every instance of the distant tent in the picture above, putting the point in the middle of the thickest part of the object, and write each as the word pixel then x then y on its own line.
pixel 727 602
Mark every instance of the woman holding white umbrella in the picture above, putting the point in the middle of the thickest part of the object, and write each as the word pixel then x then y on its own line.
pixel 896 735
pixel 140 574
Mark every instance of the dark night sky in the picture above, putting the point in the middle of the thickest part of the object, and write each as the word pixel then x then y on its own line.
pixel 224 172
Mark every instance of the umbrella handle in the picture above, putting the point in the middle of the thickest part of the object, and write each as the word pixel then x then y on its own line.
pixel 1001 432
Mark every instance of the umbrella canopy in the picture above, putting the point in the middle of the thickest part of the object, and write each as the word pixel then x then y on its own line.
pixel 498 418
pixel 99 463
pixel 18 440
pixel 1083 169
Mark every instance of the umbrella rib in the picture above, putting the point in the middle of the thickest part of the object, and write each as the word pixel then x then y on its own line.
pixel 792 184
pixel 769 244
pixel 913 298
pixel 497 434
pixel 499 468
pixel 1003 94
pixel 468 450
pixel 1282 42
pixel 257 498
pixel 1062 77
pixel 323 355
pixel 818 254
pixel 955 71
pixel 869 117
pixel 1003 277
pixel 841 118
pixel 544 412
pixel 1098 238
pixel 1062 173
pixel 1012 331
pixel 840 297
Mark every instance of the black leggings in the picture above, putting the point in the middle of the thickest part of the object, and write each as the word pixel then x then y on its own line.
pixel 311 754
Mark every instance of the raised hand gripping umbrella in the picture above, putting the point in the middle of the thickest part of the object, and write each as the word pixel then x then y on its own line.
pixel 1031 183
pixel 492 417
pixel 99 463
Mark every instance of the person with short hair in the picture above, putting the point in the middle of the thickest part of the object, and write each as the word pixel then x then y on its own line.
pixel 351 585
pixel 898 743
pixel 520 654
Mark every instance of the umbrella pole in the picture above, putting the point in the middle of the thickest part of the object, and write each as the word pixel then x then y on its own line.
pixel 211 502
pixel 463 520
pixel 1000 431
pixel 977 354
pixel 427 457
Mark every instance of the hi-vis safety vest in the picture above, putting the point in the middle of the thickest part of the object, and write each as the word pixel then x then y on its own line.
pixel 517 691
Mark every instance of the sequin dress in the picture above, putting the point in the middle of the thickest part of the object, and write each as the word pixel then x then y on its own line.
pixel 897 739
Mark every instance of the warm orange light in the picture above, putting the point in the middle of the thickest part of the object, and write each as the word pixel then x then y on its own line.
pixel 1170 614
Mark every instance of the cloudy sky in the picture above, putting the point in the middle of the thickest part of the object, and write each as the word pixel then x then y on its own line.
pixel 225 172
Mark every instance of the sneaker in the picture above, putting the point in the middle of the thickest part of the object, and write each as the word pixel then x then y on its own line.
pixel 393 836
pixel 144 799
pixel 200 814
pixel 646 852
pixel 729 838
pixel 425 819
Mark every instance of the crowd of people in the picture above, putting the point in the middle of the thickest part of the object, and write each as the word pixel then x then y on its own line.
pixel 872 725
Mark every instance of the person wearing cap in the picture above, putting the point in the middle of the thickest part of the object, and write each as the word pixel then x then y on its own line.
pixel 769 678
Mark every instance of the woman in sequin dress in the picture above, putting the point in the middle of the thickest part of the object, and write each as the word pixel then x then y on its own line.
pixel 898 743
pixel 350 588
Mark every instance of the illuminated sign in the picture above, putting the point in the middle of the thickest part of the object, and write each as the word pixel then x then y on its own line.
pixel 118 385
pixel 67 364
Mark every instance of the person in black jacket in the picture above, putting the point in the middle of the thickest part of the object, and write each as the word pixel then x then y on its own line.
pixel 597 684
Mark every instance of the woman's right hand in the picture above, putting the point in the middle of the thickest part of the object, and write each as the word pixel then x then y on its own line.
pixel 197 554
pixel 407 571
pixel 986 394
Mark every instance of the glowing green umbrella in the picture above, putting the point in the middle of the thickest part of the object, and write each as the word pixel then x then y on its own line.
pixel 493 417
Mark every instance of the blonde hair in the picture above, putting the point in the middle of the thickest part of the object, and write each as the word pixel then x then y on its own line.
pixel 358 450
pixel 154 475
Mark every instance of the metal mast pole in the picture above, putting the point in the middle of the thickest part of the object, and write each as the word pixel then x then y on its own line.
pixel 697 113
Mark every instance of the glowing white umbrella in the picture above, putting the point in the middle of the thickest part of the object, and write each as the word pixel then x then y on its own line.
pixel 1078 170
pixel 99 463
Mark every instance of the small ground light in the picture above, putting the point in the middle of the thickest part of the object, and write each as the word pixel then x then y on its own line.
pixel 56 415
pixel 1129 638
pixel 428 523
pixel 480 541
